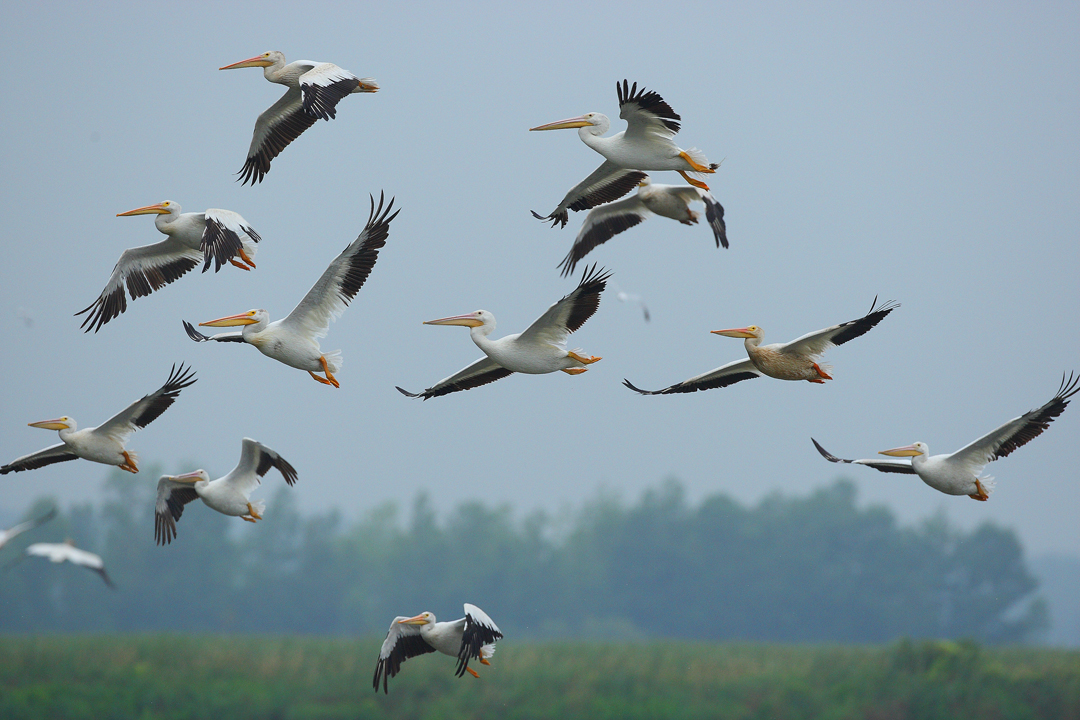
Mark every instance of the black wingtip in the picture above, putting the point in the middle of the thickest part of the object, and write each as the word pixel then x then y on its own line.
pixel 825 453
pixel 406 393
pixel 636 389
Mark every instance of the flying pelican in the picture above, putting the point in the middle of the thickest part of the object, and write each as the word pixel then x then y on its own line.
pixel 670 201
pixel 191 238
pixel 67 552
pixel 473 636
pixel 540 349
pixel 645 145
pixel 293 340
pixel 11 533
pixel 958 474
pixel 315 89
pixel 228 495
pixel 795 360
pixel 105 443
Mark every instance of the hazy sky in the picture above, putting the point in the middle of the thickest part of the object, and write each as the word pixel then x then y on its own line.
pixel 924 154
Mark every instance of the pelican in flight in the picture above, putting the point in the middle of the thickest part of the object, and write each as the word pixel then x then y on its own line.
pixel 645 145
pixel 105 443
pixel 473 636
pixel 795 360
pixel 315 89
pixel 228 495
pixel 11 533
pixel 670 201
pixel 67 552
pixel 958 474
pixel 191 238
pixel 540 349
pixel 294 340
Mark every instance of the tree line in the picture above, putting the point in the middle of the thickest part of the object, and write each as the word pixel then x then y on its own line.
pixel 788 569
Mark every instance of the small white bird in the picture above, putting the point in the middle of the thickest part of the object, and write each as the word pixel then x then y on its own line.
pixel 106 442
pixel 670 201
pixel 315 88
pixel 959 473
pixel 539 350
pixel 473 636
pixel 11 533
pixel 67 552
pixel 228 495
pixel 191 238
pixel 294 340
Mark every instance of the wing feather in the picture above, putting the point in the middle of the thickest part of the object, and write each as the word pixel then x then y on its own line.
pixel 480 630
pixel 646 113
pixel 144 411
pixel 885 466
pixel 402 642
pixel 277 126
pixel 172 496
pixel 722 376
pixel 237 336
pixel 483 371
pixel 571 312
pixel 602 224
pixel 50 455
pixel 605 184
pixel 819 341
pixel 222 239
pixel 323 88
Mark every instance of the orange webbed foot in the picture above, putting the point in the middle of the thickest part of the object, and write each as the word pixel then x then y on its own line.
pixel 473 673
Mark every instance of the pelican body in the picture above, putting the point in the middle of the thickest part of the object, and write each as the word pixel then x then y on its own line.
pixel 106 443
pixel 646 145
pixel 539 350
pixel 472 637
pixel 191 238
pixel 315 88
pixel 960 472
pixel 229 495
pixel 294 340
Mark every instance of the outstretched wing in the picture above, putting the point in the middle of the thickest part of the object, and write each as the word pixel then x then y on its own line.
pixel 172 496
pixel 52 454
pixel 144 270
pixel 646 113
pixel 255 461
pixel 569 313
pixel 483 371
pixel 402 642
pixel 236 336
pixel 818 342
pixel 1019 431
pixel 222 239
pixel 722 376
pixel 886 466
pixel 11 533
pixel 607 183
pixel 339 284
pixel 144 411
pixel 277 126
pixel 480 631
pixel 602 224
pixel 323 88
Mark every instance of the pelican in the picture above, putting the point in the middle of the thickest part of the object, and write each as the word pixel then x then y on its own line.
pixel 293 340
pixel 228 495
pixel 473 636
pixel 191 238
pixel 11 533
pixel 795 360
pixel 105 443
pixel 645 145
pixel 670 201
pixel 958 474
pixel 67 552
pixel 540 349
pixel 315 89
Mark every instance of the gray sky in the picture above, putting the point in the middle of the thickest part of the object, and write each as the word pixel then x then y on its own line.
pixel 924 154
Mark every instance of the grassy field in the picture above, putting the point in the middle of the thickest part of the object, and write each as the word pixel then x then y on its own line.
pixel 290 678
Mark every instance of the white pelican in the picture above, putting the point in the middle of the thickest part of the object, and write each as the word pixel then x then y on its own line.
pixel 540 349
pixel 795 360
pixel 473 636
pixel 293 340
pixel 105 443
pixel 67 552
pixel 958 474
pixel 11 533
pixel 228 495
pixel 315 89
pixel 191 238
pixel 645 145
pixel 670 201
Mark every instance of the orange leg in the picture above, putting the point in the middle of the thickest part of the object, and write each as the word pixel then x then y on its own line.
pixel 239 264
pixel 129 463
pixel 574 371
pixel 245 258
pixel 319 379
pixel 483 661
pixel 821 373
pixel 694 181
pixel 253 513
pixel 981 493
pixel 247 519
pixel 696 166
pixel 326 369
pixel 581 359
pixel 473 673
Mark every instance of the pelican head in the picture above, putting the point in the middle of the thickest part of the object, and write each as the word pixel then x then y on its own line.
pixel 908 450
pixel 751 331
pixel 473 319
pixel 60 423
pixel 424 618
pixel 251 317
pixel 267 59
pixel 168 207
pixel 587 120
pixel 194 478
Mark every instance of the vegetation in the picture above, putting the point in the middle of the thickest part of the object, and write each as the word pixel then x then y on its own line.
pixel 815 568
pixel 241 677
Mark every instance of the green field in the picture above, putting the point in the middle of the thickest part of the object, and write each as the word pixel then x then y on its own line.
pixel 164 676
